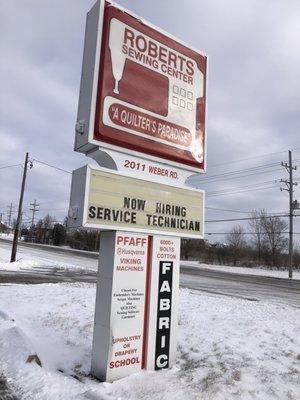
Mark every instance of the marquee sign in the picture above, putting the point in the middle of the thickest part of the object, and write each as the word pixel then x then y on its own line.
pixel 142 91
pixel 107 200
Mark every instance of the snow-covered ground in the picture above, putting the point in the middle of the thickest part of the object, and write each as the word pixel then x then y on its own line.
pixel 228 348
pixel 32 259
pixel 262 271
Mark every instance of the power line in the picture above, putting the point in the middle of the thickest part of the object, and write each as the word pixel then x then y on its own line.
pixel 251 185
pixel 222 209
pixel 247 218
pixel 246 233
pixel 241 191
pixel 229 174
pixel 236 174
pixel 51 166
pixel 10 166
pixel 240 211
pixel 250 169
pixel 252 158
pixel 221 179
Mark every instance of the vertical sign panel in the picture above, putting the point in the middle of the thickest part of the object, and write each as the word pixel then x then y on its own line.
pixel 120 303
pixel 163 303
pixel 164 311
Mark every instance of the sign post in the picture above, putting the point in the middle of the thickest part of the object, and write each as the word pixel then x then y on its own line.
pixel 141 117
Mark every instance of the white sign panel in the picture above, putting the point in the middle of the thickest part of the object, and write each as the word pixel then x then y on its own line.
pixel 141 167
pixel 120 304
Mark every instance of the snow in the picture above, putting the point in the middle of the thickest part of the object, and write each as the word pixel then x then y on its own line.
pixel 36 260
pixel 7 236
pixel 261 271
pixel 228 348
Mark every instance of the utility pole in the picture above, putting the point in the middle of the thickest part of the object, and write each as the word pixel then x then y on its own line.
pixel 16 232
pixel 34 210
pixel 9 215
pixel 290 189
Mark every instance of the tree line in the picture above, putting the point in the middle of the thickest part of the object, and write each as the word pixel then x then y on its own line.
pixel 264 243
pixel 48 231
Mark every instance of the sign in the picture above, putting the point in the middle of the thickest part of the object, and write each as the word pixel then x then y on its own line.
pixel 120 303
pixel 141 168
pixel 163 302
pixel 163 323
pixel 108 200
pixel 142 92
pixel 136 304
pixel 141 116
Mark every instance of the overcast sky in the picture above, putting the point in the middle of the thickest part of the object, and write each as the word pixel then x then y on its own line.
pixel 253 97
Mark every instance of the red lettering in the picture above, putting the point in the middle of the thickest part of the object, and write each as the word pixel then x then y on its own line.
pixel 152 51
pixel 163 55
pixel 141 43
pixel 172 59
pixel 189 67
pixel 122 363
pixel 174 62
pixel 129 36
pixel 131 241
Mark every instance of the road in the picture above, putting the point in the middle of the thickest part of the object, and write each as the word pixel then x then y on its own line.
pixel 248 287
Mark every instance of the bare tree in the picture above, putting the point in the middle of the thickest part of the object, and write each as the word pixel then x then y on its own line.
pixel 274 229
pixel 236 241
pixel 187 246
pixel 43 228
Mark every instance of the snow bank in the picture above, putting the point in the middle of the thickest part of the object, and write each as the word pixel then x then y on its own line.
pixel 8 236
pixel 39 261
pixel 228 348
